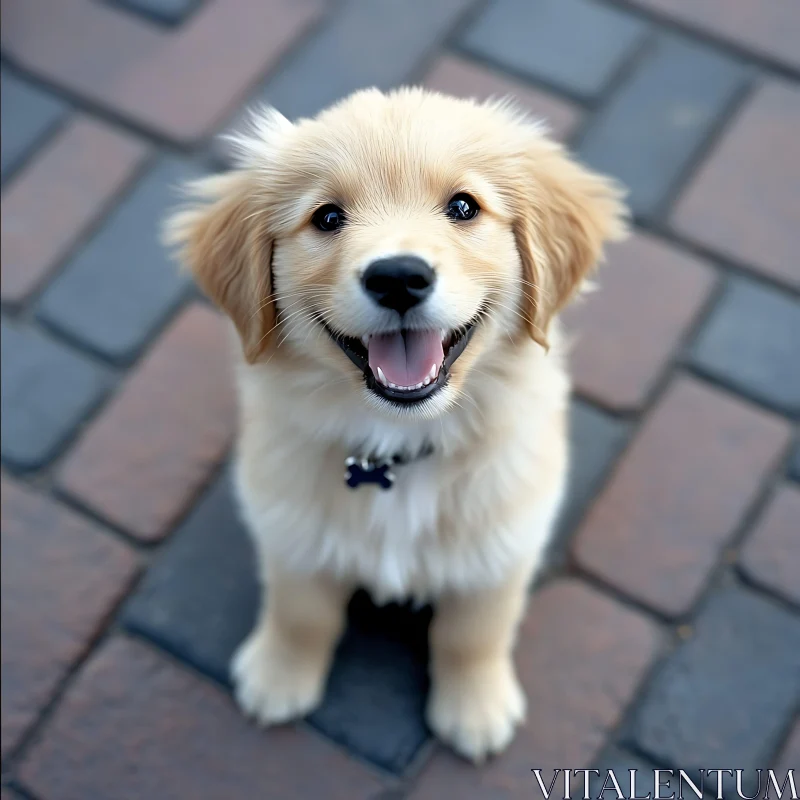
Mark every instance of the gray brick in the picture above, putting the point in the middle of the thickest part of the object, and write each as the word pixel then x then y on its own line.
pixel 751 342
pixel 727 695
pixel 658 120
pixel 47 390
pixel 168 12
pixel 27 115
pixel 575 46
pixel 122 285
pixel 199 598
pixel 365 43
pixel 199 601
pixel 794 462
pixel 596 439
pixel 619 762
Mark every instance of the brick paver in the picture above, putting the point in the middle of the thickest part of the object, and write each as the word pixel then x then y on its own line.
pixel 768 29
pixel 163 434
pixel 52 203
pixel 771 554
pixel 27 116
pixel 47 392
pixel 742 201
pixel 698 710
pixel 580 658
pixel 695 467
pixel 117 401
pixel 137 727
pixel 168 12
pixel 122 285
pixel 750 342
pixel 464 78
pixel 62 576
pixel 367 43
pixel 790 754
pixel 541 39
pixel 649 295
pixel 181 85
pixel 659 119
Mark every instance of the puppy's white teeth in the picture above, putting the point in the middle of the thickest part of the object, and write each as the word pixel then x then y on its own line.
pixel 418 386
pixel 393 386
pixel 434 371
pixel 426 381
pixel 382 377
pixel 444 334
pixel 365 341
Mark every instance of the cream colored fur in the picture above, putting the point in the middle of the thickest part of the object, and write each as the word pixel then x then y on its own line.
pixel 466 527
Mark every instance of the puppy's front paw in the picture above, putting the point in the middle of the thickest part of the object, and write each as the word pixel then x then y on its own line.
pixel 476 708
pixel 272 685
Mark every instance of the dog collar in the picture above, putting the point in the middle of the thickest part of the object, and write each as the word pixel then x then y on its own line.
pixel 369 469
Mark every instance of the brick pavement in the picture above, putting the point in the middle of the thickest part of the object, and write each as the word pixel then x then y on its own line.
pixel 666 630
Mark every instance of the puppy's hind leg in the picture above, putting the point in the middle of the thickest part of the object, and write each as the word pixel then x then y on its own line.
pixel 280 670
pixel 476 701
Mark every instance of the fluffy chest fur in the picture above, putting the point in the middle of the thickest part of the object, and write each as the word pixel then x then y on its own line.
pixel 461 518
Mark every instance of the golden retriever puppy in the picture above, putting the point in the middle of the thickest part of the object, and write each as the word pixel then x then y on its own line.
pixel 393 268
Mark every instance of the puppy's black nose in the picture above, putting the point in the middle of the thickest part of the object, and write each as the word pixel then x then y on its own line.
pixel 398 283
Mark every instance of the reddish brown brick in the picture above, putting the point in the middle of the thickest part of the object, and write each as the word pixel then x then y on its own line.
pixel 771 554
pixel 155 446
pixel 649 294
pixel 768 29
pixel 464 78
pixel 61 578
pixel 54 200
pixel 135 726
pixel 743 201
pixel 201 71
pixel 790 755
pixel 680 491
pixel 581 658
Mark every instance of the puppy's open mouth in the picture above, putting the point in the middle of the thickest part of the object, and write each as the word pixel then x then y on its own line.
pixel 406 366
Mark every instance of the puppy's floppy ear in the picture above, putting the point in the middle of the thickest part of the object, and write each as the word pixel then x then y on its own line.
pixel 565 213
pixel 222 242
pixel 222 236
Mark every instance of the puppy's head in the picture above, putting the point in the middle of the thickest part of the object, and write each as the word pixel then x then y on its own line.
pixel 396 240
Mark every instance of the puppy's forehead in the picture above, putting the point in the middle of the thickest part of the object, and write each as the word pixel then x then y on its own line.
pixel 407 147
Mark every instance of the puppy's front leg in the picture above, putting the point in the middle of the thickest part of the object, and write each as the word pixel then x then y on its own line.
pixel 476 701
pixel 280 670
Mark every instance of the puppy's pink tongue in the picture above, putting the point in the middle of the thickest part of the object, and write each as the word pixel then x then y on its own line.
pixel 407 358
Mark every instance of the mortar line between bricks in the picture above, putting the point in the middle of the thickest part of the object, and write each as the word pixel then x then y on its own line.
pixel 447 42
pixel 533 81
pixel 707 376
pixel 626 70
pixel 160 23
pixel 141 546
pixel 706 38
pixel 26 309
pixel 37 146
pixel 724 122
pixel 183 301
pixel 672 237
pixel 110 116
pixel 107 623
pixel 249 95
pixel 21 790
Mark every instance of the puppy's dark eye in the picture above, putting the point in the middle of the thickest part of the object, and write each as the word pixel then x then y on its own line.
pixel 328 217
pixel 462 206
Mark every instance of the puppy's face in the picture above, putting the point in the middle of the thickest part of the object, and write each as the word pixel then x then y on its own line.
pixel 397 241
